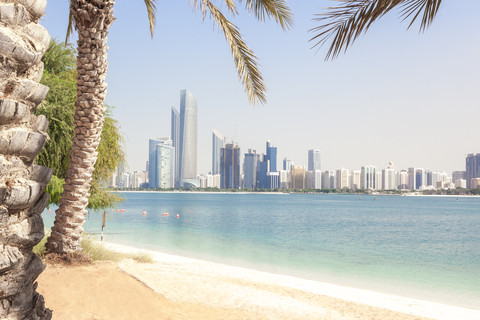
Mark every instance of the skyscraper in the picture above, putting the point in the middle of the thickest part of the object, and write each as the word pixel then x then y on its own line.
pixel 272 156
pixel 268 164
pixel 472 168
pixel 250 165
pixel 314 160
pixel 161 159
pixel 175 134
pixel 287 164
pixel 217 144
pixel 230 167
pixel 368 178
pixel 187 137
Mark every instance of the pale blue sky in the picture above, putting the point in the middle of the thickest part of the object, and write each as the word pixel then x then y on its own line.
pixel 394 96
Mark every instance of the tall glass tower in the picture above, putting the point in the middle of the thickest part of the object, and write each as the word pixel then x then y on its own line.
pixel 188 136
pixel 313 160
pixel 161 160
pixel 218 142
pixel 175 134
pixel 472 168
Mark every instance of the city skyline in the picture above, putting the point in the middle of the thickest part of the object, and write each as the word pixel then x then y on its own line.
pixel 395 95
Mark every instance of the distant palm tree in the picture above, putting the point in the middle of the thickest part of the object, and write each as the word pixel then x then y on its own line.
pixel 345 22
pixel 92 19
pixel 22 136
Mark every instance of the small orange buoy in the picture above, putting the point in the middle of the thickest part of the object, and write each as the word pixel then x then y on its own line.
pixel 118 210
pixel 144 213
pixel 49 210
pixel 122 210
pixel 178 216
pixel 167 214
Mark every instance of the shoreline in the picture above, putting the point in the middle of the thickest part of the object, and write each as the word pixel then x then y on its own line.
pixel 374 194
pixel 206 274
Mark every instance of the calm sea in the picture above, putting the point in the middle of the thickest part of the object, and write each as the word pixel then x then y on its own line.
pixel 420 247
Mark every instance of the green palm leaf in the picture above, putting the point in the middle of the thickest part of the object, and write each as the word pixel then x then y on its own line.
pixel 244 58
pixel 347 21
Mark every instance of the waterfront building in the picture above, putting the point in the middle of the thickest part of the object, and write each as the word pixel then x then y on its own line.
pixel 378 180
pixel 218 141
pixel 188 138
pixel 460 183
pixel 314 160
pixel 298 177
pixel 213 180
pixel 355 179
pixel 368 176
pixel 202 179
pixel 287 164
pixel 412 182
pixel 175 135
pixel 475 183
pixel 341 179
pixel 230 167
pixel 263 170
pixel 139 179
pixel 459 175
pixel 314 179
pixel 328 180
pixel 250 164
pixel 310 179
pixel 161 173
pixel 389 179
pixel 283 179
pixel 472 168
pixel 271 156
pixel 402 180
pixel 273 179
pixel 420 179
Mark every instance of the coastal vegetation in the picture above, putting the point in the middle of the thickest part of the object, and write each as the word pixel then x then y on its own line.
pixel 95 251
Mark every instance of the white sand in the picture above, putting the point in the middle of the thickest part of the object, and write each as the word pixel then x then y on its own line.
pixel 269 296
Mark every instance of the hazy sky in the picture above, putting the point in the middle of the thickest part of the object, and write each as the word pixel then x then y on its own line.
pixel 396 95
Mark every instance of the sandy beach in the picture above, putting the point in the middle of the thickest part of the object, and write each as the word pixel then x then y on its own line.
pixel 175 287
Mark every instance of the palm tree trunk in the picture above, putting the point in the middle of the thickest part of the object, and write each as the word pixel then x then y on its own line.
pixel 22 135
pixel 92 18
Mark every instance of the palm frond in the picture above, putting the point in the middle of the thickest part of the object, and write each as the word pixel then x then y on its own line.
pixel 231 6
pixel 70 23
pixel 244 58
pixel 151 11
pixel 415 8
pixel 347 21
pixel 276 9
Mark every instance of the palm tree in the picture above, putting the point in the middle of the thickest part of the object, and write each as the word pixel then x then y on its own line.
pixel 351 18
pixel 92 18
pixel 22 135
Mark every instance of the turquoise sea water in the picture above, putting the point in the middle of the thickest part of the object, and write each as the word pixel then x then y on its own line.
pixel 420 247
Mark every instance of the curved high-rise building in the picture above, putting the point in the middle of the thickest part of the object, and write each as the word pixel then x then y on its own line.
pixel 218 142
pixel 188 136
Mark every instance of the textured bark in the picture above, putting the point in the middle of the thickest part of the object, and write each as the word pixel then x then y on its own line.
pixel 22 136
pixel 92 18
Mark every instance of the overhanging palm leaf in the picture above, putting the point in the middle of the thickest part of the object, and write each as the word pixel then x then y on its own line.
pixel 244 58
pixel 276 9
pixel 351 18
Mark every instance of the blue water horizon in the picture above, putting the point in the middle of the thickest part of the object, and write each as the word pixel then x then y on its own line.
pixel 420 247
